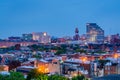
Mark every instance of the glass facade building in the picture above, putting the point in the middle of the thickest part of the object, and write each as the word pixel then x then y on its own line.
pixel 94 33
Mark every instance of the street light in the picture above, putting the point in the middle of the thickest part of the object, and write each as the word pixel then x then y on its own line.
pixel 116 56
pixel 84 59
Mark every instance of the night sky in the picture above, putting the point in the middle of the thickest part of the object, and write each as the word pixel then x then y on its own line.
pixel 57 17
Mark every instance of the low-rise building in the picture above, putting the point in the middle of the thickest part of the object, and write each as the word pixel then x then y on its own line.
pixel 48 66
pixel 4 68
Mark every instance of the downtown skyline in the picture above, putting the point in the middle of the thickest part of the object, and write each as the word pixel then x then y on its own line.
pixel 58 18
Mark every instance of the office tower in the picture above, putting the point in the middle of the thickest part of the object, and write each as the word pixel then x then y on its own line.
pixel 94 33
pixel 36 36
pixel 45 38
pixel 76 37
pixel 27 37
pixel 42 37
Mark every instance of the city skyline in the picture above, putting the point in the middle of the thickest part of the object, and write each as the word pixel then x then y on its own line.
pixel 58 18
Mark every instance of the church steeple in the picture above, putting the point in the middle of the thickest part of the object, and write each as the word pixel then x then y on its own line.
pixel 76 31
pixel 76 37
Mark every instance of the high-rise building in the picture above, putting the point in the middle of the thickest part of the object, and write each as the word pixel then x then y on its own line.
pixel 36 36
pixel 94 33
pixel 27 37
pixel 45 38
pixel 76 37
pixel 42 37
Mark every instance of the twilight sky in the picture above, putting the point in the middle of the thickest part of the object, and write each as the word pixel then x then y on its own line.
pixel 57 17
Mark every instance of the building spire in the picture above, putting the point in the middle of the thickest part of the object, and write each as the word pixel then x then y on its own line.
pixel 76 30
pixel 76 37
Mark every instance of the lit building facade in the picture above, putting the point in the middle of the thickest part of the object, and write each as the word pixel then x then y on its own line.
pixel 36 36
pixel 94 33
pixel 42 37
pixel 27 37
pixel 4 68
pixel 48 66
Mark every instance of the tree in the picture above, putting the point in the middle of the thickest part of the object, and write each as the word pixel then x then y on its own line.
pixel 59 52
pixel 79 77
pixel 37 56
pixel 15 76
pixel 57 77
pixel 41 49
pixel 3 77
pixel 81 50
pixel 13 64
pixel 12 76
pixel 35 74
pixel 34 47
